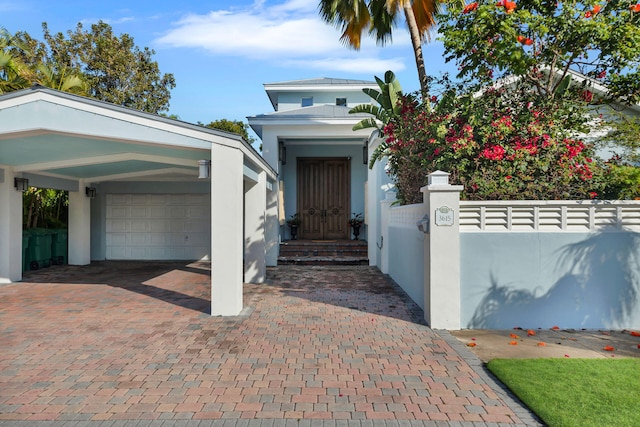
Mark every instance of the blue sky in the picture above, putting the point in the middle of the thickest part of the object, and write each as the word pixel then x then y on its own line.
pixel 221 53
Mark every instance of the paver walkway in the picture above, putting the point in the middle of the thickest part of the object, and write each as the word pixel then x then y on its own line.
pixel 134 341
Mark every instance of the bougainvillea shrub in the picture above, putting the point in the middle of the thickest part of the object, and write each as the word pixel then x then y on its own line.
pixel 496 145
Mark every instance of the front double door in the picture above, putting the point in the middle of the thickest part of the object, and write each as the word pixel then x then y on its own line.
pixel 323 198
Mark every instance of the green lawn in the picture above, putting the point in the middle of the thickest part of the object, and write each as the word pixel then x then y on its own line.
pixel 575 392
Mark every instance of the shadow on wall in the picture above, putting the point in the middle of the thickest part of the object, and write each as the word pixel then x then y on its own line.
pixel 598 288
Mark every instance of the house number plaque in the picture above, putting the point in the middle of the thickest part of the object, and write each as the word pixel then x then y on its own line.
pixel 444 216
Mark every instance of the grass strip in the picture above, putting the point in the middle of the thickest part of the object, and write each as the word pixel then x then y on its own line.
pixel 575 392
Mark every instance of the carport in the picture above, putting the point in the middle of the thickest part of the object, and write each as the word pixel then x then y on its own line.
pixel 141 187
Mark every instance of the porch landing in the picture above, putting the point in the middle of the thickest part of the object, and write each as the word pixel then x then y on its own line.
pixel 323 252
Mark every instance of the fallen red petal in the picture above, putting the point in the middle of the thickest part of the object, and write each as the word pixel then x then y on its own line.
pixel 541 344
pixel 514 336
pixel 471 344
pixel 531 332
pixel 513 343
pixel 555 328
pixel 608 348
pixel 635 334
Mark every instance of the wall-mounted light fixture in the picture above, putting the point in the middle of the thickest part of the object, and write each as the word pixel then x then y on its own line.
pixel 90 192
pixel 365 153
pixel 282 153
pixel 204 169
pixel 21 184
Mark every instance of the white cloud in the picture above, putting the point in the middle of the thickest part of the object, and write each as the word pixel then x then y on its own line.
pixel 352 65
pixel 289 33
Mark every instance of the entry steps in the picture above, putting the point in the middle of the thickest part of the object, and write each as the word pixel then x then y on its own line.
pixel 323 252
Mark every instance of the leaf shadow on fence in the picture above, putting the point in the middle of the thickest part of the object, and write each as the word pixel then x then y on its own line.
pixel 598 288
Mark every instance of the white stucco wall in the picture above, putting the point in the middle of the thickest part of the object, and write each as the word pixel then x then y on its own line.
pixel 292 101
pixel 540 280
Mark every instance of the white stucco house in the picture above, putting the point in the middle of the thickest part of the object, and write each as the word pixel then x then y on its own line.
pixel 321 162
pixel 134 188
pixel 135 191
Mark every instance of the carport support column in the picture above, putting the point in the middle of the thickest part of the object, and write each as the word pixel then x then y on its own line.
pixel 442 253
pixel 255 248
pixel 79 226
pixel 10 229
pixel 227 246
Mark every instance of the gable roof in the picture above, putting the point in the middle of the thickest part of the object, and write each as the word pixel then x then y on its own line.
pixel 63 135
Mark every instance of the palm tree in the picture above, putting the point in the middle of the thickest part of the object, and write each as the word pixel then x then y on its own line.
pixel 11 68
pixel 49 76
pixel 379 17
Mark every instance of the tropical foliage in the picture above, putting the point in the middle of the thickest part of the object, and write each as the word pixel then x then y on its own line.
pixel 386 106
pixel 233 126
pixel 114 68
pixel 535 74
pixel 11 68
pixel 45 208
pixel 542 41
pixel 498 146
pixel 378 18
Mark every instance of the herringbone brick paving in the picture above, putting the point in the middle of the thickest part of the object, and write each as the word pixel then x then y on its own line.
pixel 135 341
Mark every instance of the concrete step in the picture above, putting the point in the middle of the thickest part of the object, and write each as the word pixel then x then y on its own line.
pixel 311 252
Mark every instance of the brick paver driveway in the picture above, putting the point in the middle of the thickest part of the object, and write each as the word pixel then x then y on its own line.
pixel 134 341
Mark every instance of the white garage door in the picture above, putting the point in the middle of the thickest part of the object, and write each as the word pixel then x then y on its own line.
pixel 158 226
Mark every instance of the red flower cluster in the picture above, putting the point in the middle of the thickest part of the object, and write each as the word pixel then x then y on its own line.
pixel 461 139
pixel 635 8
pixel 494 152
pixel 509 6
pixel 470 7
pixel 587 95
pixel 574 147
pixel 592 12
pixel 525 40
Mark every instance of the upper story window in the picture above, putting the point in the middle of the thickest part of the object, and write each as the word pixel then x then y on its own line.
pixel 341 102
pixel 307 101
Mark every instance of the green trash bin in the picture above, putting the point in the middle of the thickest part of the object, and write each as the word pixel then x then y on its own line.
pixel 59 244
pixel 25 250
pixel 39 249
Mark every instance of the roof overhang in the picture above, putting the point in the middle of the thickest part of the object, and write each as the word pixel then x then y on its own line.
pixel 67 137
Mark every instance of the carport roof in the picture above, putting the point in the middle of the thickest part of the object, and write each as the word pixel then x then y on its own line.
pixel 57 134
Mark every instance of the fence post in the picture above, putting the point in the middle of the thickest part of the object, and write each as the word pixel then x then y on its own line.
pixel 385 207
pixel 442 252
